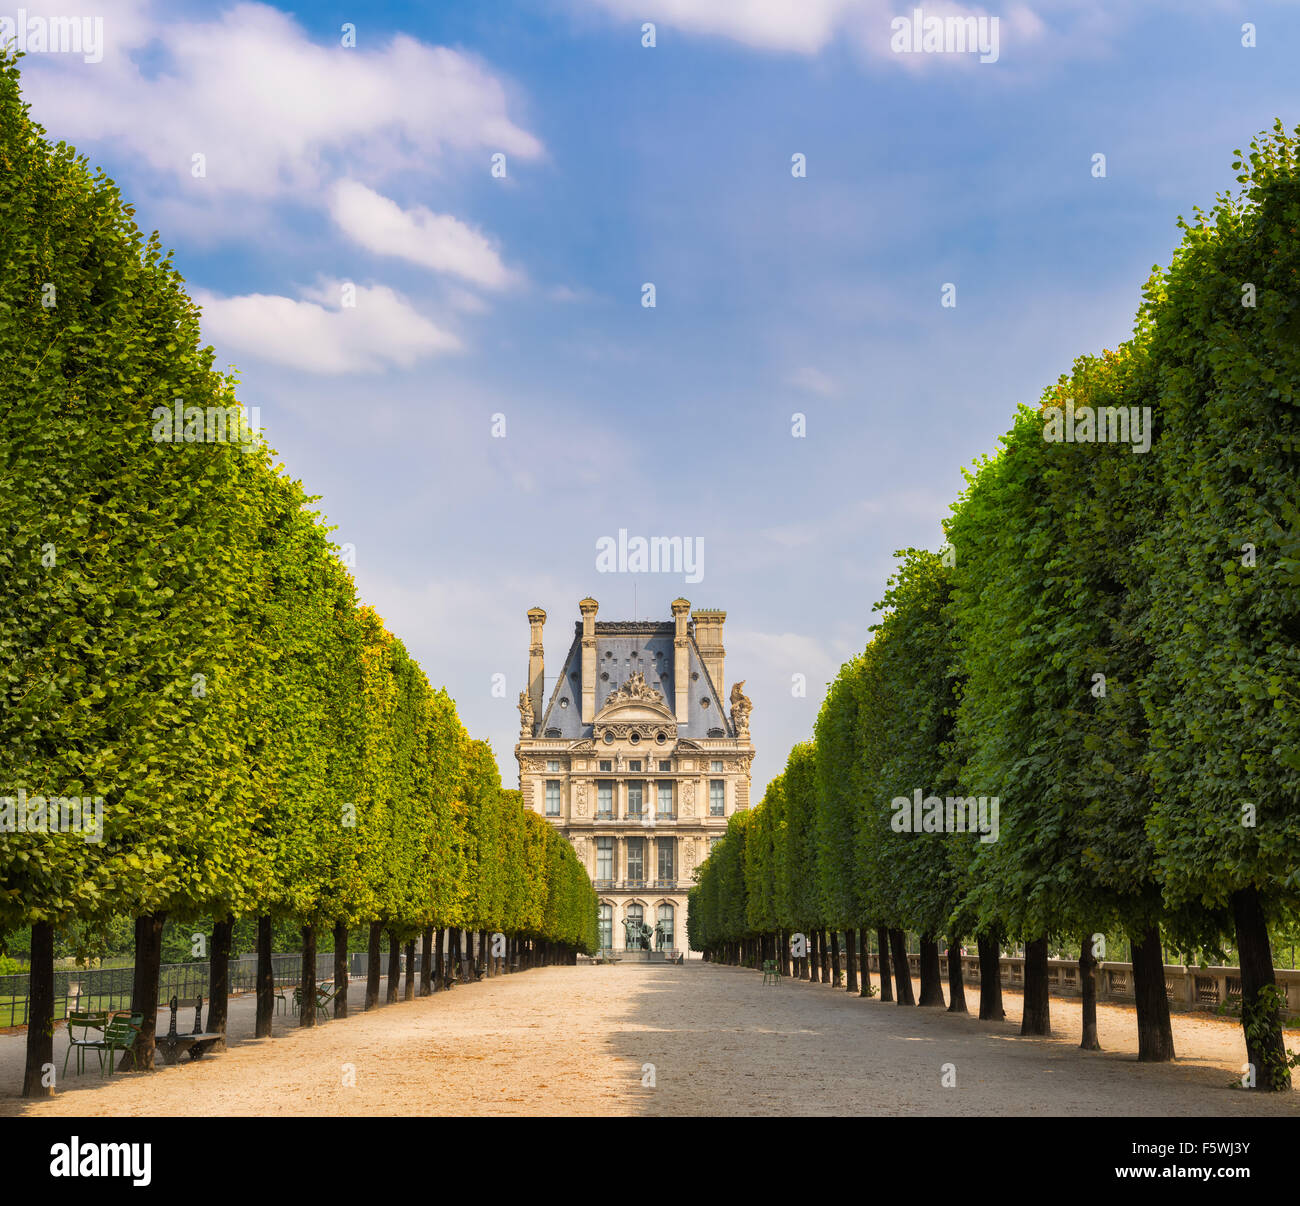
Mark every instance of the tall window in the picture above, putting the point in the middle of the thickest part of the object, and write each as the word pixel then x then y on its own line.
pixel 667 920
pixel 713 841
pixel 636 860
pixel 552 797
pixel 665 799
pixel 605 858
pixel 634 799
pixel 604 798
pixel 667 860
pixel 606 926
pixel 717 794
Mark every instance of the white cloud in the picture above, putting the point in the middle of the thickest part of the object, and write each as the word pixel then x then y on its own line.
pixel 318 334
pixel 274 113
pixel 814 381
pixel 436 241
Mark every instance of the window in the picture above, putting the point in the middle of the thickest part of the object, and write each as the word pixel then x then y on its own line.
pixel 636 915
pixel 605 858
pixel 634 799
pixel 665 799
pixel 636 860
pixel 717 790
pixel 552 797
pixel 713 841
pixel 552 764
pixel 665 766
pixel 634 765
pixel 606 765
pixel 667 860
pixel 716 765
pixel 604 798
pixel 667 922
pixel 606 926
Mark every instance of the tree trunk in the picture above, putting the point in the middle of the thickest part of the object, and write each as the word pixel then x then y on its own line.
pixel 1037 1016
pixel 902 968
pixel 307 988
pixel 990 952
pixel 826 957
pixel 40 1014
pixel 836 980
pixel 409 993
pixel 426 962
pixel 864 951
pixel 805 964
pixel 265 980
pixel 850 961
pixel 453 957
pixel 144 991
pixel 374 964
pixel 816 950
pixel 956 981
pixel 886 972
pixel 783 952
pixel 1155 1033
pixel 931 980
pixel 1088 987
pixel 219 975
pixel 1265 1048
pixel 394 968
pixel 341 969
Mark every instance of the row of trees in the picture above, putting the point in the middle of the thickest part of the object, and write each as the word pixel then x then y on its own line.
pixel 180 643
pixel 1108 647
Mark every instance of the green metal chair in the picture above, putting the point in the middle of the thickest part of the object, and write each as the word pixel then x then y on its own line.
pixel 119 1035
pixel 91 1026
pixel 771 972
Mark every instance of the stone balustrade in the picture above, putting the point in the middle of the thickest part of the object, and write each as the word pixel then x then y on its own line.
pixel 1186 987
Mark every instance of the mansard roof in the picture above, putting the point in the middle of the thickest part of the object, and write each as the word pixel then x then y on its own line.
pixel 624 647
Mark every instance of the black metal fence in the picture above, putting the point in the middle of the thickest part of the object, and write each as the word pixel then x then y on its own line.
pixel 77 989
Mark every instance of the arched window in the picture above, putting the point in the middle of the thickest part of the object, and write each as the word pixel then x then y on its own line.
pixel 636 915
pixel 606 926
pixel 668 921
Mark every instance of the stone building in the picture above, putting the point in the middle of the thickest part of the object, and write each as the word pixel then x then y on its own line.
pixel 636 760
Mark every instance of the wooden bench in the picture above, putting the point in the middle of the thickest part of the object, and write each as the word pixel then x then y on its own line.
pixel 197 1043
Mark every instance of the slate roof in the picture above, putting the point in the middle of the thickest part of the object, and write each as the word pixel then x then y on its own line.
pixel 622 648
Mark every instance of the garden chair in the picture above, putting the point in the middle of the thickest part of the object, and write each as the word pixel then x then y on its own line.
pixel 119 1035
pixel 85 1033
pixel 771 972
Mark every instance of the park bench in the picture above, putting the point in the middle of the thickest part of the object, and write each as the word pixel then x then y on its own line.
pixel 771 972
pixel 197 1043
pixel 120 1034
pixel 86 1033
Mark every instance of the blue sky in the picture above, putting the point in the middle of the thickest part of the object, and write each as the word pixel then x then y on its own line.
pixel 521 296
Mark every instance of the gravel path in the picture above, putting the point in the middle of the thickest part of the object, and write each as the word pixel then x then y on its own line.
pixel 575 1040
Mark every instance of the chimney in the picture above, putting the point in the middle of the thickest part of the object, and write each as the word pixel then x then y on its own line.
pixel 536 618
pixel 588 607
pixel 681 661
pixel 708 636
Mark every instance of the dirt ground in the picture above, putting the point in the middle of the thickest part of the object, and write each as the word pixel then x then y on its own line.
pixel 697 1039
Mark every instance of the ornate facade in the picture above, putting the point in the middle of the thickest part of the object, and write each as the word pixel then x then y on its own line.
pixel 635 759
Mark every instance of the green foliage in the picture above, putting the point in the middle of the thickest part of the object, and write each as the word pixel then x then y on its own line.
pixel 178 637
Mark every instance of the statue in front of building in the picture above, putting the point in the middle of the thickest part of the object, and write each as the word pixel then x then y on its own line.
pixel 740 709
pixel 525 715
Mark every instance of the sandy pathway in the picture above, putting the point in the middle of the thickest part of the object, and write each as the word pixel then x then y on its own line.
pixel 575 1040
